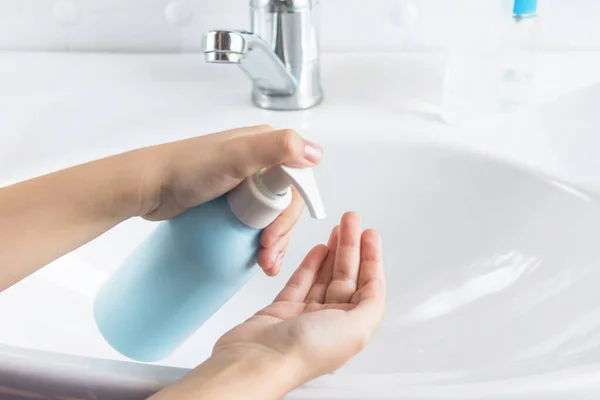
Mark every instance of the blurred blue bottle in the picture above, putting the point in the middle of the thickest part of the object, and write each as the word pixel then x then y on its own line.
pixel 525 8
pixel 193 264
pixel 519 65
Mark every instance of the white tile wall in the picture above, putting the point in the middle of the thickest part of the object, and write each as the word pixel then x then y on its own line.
pixel 346 25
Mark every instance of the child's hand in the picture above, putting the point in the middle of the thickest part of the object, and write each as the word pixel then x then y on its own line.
pixel 58 212
pixel 328 310
pixel 184 174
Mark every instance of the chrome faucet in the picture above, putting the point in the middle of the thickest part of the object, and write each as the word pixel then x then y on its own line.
pixel 280 55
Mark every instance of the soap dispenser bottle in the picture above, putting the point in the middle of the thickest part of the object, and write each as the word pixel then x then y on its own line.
pixel 191 265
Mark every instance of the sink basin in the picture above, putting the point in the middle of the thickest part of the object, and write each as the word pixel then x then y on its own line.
pixel 492 286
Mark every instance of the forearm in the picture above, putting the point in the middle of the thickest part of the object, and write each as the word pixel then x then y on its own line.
pixel 233 377
pixel 46 217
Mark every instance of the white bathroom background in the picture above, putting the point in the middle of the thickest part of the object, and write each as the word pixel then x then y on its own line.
pixel 346 25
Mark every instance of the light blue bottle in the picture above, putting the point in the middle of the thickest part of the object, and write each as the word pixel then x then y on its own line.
pixel 190 266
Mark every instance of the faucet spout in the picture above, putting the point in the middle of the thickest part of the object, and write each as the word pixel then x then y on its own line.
pixel 255 58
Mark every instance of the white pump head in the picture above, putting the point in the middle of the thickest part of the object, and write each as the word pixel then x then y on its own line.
pixel 259 200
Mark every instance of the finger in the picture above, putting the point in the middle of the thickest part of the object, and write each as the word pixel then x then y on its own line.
pixel 370 298
pixel 317 292
pixel 250 153
pixel 347 261
pixel 284 223
pixel 371 277
pixel 371 258
pixel 223 136
pixel 237 132
pixel 270 259
pixel 302 280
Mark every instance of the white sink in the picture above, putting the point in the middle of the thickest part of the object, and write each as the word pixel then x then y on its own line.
pixel 492 269
pixel 492 285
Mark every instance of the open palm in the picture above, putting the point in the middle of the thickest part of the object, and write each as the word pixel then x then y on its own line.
pixel 329 308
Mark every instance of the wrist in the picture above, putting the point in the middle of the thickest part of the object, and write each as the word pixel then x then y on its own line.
pixel 136 175
pixel 239 374
pixel 270 374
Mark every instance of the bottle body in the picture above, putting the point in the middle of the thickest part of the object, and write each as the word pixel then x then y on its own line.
pixel 176 280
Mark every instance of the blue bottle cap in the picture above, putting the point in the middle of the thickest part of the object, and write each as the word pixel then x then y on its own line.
pixel 523 8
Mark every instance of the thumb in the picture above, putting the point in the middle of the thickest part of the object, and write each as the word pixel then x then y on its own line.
pixel 245 155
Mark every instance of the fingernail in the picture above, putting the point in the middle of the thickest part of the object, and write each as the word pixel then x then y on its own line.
pixel 312 152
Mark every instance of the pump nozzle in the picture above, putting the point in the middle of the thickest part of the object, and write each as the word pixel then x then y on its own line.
pixel 278 179
pixel 259 200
